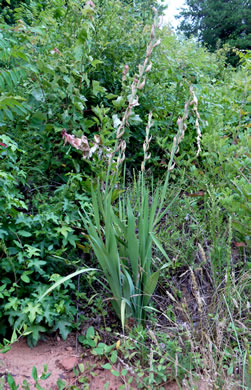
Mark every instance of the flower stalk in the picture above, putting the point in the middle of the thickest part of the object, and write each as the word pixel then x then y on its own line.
pixel 194 103
pixel 137 84
pixel 147 141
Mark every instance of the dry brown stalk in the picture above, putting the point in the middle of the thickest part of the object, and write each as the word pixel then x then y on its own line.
pixel 196 292
pixel 202 253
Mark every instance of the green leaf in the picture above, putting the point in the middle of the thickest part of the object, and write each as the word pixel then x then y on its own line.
pixel 114 357
pixel 61 384
pixel 13 336
pixel 132 242
pixel 81 368
pixel 24 233
pixel 135 119
pixel 34 373
pixel 25 278
pixel 90 333
pixel 5 348
pixel 95 209
pixel 91 343
pixel 2 233
pixel 12 383
pixel 123 307
pixel 98 351
pixel 64 230
pixel 32 310
pixel 97 88
pixel 10 101
pixel 33 333
pixel 150 286
pixel 160 247
pixel 7 78
pixel 45 376
pixel 119 102
pixel 63 280
pixel 38 387
pixel 38 94
pixel 107 366
pixel 64 327
pixel 115 373
pixel 116 121
pixel 9 114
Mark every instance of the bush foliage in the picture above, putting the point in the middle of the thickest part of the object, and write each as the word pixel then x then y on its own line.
pixel 79 79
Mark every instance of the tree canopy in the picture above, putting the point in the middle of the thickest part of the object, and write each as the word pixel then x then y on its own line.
pixel 218 21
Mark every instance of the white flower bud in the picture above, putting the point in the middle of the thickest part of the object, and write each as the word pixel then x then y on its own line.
pixel 149 49
pixel 149 67
pixel 140 69
pixel 125 71
pixel 157 43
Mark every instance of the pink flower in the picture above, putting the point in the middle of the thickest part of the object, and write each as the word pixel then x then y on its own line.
pixel 125 71
pixel 78 143
pixel 4 145
pixel 90 3
pixel 55 50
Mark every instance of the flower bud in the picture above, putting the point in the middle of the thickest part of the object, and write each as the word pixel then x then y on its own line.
pixel 148 156
pixel 157 43
pixel 149 67
pixel 125 71
pixel 97 139
pixel 90 3
pixel 141 85
pixel 195 100
pixel 55 50
pixel 179 122
pixel 123 146
pixel 149 49
pixel 140 69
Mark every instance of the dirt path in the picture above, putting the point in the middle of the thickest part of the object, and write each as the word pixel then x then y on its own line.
pixel 61 358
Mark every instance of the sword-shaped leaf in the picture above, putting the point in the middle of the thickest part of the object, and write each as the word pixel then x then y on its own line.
pixel 150 286
pixel 132 242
